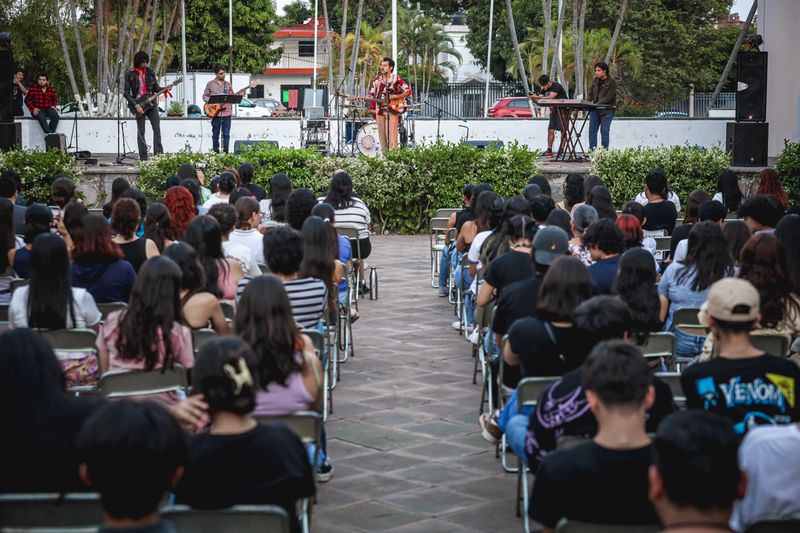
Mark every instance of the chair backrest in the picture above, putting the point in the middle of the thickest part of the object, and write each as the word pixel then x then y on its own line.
pixel 446 212
pixel 774 525
pixel 201 336
pixel 687 321
pixel 571 441
pixel 661 344
pixel 317 338
pixel 572 526
pixel 673 379
pixel 654 233
pixel 529 389
pixel 228 310
pixel 45 511
pixel 16 283
pixel 772 344
pixel 239 518
pixel 70 339
pixel 3 312
pixel 4 326
pixel 122 384
pixel 347 231
pixel 108 308
pixel 662 247
pixel 438 225
pixel 96 211
pixel 306 424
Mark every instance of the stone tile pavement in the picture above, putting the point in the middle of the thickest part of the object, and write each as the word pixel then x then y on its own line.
pixel 403 435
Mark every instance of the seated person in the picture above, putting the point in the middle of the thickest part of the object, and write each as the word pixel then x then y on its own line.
pixel 38 220
pixel 660 212
pixel 132 454
pixel 308 296
pixel 695 476
pixel 742 382
pixel 238 460
pixel 445 256
pixel 605 243
pixel 642 198
pixel 603 481
pixel 761 213
pixel 712 211
pixel 225 214
pixel 42 102
pixel 768 456
pixel 246 233
pixel 563 410
pixel 125 221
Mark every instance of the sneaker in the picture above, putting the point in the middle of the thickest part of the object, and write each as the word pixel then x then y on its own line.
pixel 325 473
pixel 443 292
pixel 457 324
pixel 490 431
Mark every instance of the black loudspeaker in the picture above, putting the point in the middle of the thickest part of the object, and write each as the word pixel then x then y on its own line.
pixel 747 143
pixel 751 77
pixel 483 145
pixel 238 146
pixel 6 85
pixel 10 135
pixel 57 141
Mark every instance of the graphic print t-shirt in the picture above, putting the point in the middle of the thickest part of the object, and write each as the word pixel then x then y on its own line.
pixel 754 391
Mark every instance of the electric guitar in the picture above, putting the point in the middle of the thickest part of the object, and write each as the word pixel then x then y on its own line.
pixel 212 110
pixel 396 106
pixel 147 102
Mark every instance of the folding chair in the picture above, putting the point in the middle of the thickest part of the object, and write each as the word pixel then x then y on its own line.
pixel 654 233
pixel 772 344
pixel 662 247
pixel 126 383
pixel 108 308
pixel 528 392
pixel 573 526
pixel 319 346
pixel 69 344
pixel 774 525
pixel 344 334
pixel 687 322
pixel 351 232
pixel 201 336
pixel 660 345
pixel 39 512
pixel 673 379
pixel 239 518
pixel 332 344
pixel 437 234
pixel 96 211
pixel 228 310
pixel 571 441
pixel 447 212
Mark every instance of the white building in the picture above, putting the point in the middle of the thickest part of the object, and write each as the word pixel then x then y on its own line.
pixel 470 69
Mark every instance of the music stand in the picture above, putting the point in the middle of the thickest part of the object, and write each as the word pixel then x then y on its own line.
pixel 232 99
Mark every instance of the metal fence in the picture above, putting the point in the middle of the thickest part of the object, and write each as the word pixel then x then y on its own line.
pixel 701 102
pixel 464 99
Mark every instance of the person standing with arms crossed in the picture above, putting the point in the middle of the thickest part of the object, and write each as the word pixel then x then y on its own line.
pixel 387 81
pixel 603 91
pixel 222 120
pixel 141 81
pixel 19 92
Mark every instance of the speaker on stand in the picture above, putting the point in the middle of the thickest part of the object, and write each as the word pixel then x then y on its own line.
pixel 747 139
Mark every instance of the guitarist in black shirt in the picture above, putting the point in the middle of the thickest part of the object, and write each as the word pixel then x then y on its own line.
pixel 141 82
pixel 549 89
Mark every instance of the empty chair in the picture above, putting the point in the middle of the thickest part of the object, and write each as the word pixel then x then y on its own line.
pixel 122 384
pixel 662 247
pixel 771 344
pixel 50 512
pixel 447 212
pixel 239 518
pixel 436 233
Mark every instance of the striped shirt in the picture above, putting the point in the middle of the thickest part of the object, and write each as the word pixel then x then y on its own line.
pixel 356 216
pixel 308 296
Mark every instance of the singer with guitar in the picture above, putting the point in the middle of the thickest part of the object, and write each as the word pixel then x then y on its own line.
pixel 141 82
pixel 220 114
pixel 387 82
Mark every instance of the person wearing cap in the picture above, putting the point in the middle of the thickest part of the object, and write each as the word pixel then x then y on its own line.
pixel 583 216
pixel 606 243
pixel 742 382
pixel 712 211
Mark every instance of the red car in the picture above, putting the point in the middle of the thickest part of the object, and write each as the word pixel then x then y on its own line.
pixel 512 106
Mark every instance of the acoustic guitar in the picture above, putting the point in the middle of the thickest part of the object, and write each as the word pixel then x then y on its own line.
pixel 147 102
pixel 397 106
pixel 212 110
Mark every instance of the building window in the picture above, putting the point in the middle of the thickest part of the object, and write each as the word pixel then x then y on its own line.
pixel 306 48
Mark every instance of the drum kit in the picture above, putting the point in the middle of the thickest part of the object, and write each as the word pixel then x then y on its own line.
pixel 363 133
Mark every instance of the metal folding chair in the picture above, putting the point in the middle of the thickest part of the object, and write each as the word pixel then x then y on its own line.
pixel 447 212
pixel 127 383
pixel 239 518
pixel 72 513
pixel 201 336
pixel 351 232
pixel 660 345
pixel 662 247
pixel 771 344
pixel 108 308
pixel 437 233
pixel 319 346
pixel 673 379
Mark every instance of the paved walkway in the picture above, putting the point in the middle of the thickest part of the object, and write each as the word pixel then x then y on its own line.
pixel 404 436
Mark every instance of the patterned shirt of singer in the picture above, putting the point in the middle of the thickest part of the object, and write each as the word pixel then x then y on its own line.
pixel 396 85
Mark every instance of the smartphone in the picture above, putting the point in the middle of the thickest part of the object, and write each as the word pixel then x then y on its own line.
pixel 56 211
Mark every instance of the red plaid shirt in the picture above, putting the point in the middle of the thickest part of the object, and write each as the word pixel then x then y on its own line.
pixel 38 99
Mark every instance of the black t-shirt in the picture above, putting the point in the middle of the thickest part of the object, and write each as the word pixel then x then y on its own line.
pixel 590 483
pixel 678 234
pixel 660 215
pixel 554 88
pixel 465 215
pixel 257 191
pixel 751 392
pixel 538 355
pixel 266 465
pixel 518 300
pixel 562 411
pixel 509 268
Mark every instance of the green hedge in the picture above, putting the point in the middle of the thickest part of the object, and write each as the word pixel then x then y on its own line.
pixel 402 190
pixel 788 167
pixel 687 168
pixel 37 171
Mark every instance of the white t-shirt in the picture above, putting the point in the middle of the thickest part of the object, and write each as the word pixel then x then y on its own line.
pixel 214 200
pixel 718 198
pixel 252 239
pixel 672 197
pixel 243 255
pixel 86 312
pixel 681 250
pixel 474 254
pixel 769 455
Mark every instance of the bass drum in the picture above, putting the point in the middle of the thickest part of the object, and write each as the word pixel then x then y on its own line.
pixel 368 141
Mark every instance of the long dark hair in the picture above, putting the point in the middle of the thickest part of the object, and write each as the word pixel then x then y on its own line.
pixel 600 199
pixel 212 375
pixel 497 243
pixel 193 277
pixel 788 231
pixel 118 186
pixel 7 239
pixel 635 284
pixel 37 221
pixel 707 256
pixel 483 210
pixel 50 293
pixel 737 233
pixel 728 185
pixel 564 287
pixel 93 244
pixel 341 194
pixel 327 213
pixel 158 225
pixel 203 234
pixel 573 190
pixel 693 202
pixel 318 261
pixel 264 319
pixel 153 309
pixel 280 187
pixel 589 183
pixel 763 264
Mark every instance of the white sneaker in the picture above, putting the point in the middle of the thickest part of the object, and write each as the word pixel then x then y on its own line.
pixel 457 325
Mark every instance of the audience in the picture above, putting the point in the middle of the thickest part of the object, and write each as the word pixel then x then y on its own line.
pixel 62 191
pixel 695 478
pixel 736 233
pixel 226 185
pixel 560 219
pixel 345 253
pixel 239 193
pixel 690 217
pixel 540 208
pixel 158 226
pixel 118 187
pixel 742 382
pixel 246 175
pixel 635 285
pixel 711 211
pixel 728 192
pixel 604 481
pixel 299 206
pixel 273 209
pixel 573 192
pixel 769 184
pixel 225 215
pixel 761 213
pixel 502 212
pixel 605 242
pixel 660 209
pixel 320 256
pixel 788 232
pixel 38 221
pixel 583 216
pixel 600 199
pixel 222 273
pixel 509 267
pixel 98 264
pixel 352 212
pixel 138 196
pixel 8 247
pixel 125 218
pixel 198 193
pixel 181 208
pixel 542 182
pixel 9 190
pixel 636 209
pixel 246 233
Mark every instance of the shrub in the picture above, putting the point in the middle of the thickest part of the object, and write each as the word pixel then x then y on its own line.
pixel 37 171
pixel 687 168
pixel 788 167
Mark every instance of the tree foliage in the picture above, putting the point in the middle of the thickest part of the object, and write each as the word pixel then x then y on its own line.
pixel 295 13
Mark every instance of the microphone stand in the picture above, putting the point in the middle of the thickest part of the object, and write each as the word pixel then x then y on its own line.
pixel 121 157
pixel 439 113
pixel 339 120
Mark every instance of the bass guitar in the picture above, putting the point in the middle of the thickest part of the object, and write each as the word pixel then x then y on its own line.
pixel 147 102
pixel 212 110
pixel 396 106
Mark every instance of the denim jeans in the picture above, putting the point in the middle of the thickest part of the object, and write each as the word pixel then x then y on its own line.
pixel 223 123
pixel 515 425
pixel 444 264
pixel 603 123
pixel 48 113
pixel 463 279
pixel 687 345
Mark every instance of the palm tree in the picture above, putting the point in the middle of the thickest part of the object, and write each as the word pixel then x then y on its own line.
pixel 426 48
